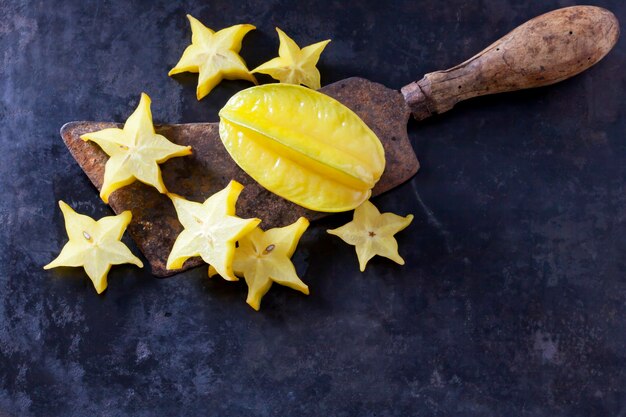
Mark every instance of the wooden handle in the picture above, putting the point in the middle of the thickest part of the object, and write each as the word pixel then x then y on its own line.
pixel 542 51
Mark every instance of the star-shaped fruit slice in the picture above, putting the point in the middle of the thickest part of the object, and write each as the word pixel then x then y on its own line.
pixel 94 245
pixel 135 151
pixel 265 257
pixel 294 65
pixel 214 55
pixel 372 233
pixel 210 230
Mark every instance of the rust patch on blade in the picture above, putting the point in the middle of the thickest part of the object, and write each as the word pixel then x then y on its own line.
pixel 154 226
pixel 386 113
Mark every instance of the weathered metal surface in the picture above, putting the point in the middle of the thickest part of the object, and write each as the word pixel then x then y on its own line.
pixel 154 226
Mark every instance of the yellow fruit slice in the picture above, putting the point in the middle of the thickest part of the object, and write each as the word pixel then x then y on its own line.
pixel 302 145
pixel 264 257
pixel 372 233
pixel 294 65
pixel 210 230
pixel 94 245
pixel 135 151
pixel 214 55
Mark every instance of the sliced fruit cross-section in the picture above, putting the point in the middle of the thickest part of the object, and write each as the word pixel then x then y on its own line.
pixel 210 230
pixel 94 245
pixel 135 151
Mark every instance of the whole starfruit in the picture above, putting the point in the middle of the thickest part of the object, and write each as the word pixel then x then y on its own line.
pixel 302 145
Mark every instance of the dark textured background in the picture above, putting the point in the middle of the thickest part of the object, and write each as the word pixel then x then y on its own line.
pixel 513 299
